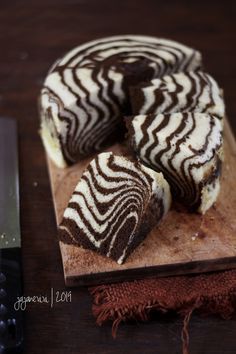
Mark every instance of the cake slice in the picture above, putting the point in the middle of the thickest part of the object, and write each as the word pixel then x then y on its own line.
pixel 114 206
pixel 187 148
pixel 193 91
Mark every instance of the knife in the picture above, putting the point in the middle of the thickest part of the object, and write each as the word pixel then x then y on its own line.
pixel 11 320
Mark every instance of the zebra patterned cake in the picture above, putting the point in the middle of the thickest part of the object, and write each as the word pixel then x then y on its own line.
pixel 187 148
pixel 193 91
pixel 86 92
pixel 114 206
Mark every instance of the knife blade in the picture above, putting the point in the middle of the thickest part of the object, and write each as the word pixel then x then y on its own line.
pixel 11 320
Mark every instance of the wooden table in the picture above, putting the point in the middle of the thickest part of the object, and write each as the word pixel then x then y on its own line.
pixel 32 37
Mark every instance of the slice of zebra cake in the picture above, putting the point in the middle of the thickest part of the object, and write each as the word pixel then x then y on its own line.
pixel 114 206
pixel 187 148
pixel 193 91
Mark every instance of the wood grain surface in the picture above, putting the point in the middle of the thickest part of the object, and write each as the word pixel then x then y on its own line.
pixel 183 243
pixel 33 34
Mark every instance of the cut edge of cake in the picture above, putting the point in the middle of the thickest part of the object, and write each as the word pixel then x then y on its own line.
pixel 208 176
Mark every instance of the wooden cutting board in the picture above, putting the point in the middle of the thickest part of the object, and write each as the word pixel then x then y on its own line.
pixel 182 243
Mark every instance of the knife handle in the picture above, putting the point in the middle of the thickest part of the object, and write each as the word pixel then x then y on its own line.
pixel 11 320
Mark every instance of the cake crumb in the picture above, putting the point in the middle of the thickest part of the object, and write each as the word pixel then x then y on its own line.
pixel 194 236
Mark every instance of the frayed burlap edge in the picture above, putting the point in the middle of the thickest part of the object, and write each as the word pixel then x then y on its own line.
pixel 208 294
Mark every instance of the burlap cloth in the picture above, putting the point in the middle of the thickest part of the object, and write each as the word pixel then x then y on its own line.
pixel 213 293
